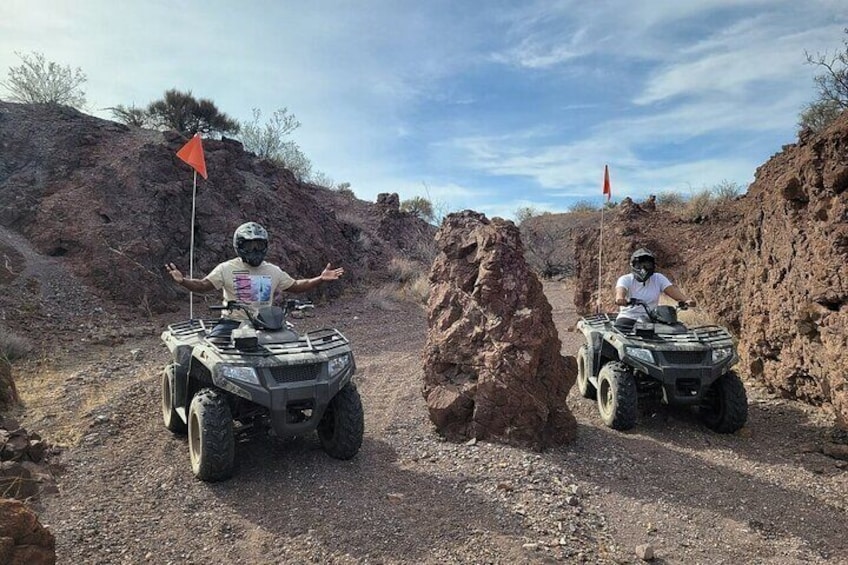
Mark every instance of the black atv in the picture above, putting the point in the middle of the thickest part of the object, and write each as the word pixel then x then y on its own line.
pixel 660 361
pixel 264 376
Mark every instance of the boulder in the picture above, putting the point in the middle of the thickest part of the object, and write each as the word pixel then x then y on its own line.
pixel 23 540
pixel 492 363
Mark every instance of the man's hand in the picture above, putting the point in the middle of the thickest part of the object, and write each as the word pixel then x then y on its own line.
pixel 175 273
pixel 330 274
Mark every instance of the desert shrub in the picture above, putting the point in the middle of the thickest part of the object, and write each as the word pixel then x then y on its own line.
pixel 671 200
pixel 420 207
pixel 403 270
pixel 418 290
pixel 383 298
pixel 182 112
pixel 39 81
pixel 525 213
pixel 699 206
pixel 726 190
pixel 582 206
pixel 13 346
pixel 266 139
pixel 345 189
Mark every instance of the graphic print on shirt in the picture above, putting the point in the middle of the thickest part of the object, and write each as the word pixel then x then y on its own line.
pixel 251 288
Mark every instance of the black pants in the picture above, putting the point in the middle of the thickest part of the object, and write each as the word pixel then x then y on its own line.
pixel 224 328
pixel 623 324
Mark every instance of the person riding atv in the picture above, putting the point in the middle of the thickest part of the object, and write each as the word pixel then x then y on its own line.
pixel 643 284
pixel 644 356
pixel 248 278
pixel 249 369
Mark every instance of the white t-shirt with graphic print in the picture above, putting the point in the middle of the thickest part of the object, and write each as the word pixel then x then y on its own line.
pixel 648 292
pixel 253 285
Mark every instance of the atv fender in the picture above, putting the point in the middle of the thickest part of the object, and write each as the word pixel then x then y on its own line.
pixel 179 376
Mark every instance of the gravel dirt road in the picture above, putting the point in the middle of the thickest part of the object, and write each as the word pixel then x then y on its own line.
pixel 764 495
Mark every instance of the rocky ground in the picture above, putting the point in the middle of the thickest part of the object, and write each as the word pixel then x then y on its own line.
pixel 127 494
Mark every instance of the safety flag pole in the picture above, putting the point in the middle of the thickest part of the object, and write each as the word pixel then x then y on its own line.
pixel 191 247
pixel 608 193
pixel 192 154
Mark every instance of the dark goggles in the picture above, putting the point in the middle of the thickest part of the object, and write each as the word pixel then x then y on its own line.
pixel 253 245
pixel 643 263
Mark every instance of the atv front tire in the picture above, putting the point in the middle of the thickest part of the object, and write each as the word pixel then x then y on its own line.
pixel 211 442
pixel 172 420
pixel 617 396
pixel 586 388
pixel 725 405
pixel 341 428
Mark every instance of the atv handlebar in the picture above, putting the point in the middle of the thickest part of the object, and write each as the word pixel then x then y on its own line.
pixel 636 302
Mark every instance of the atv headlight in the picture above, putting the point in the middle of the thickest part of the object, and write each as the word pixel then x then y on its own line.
pixel 640 354
pixel 243 374
pixel 721 353
pixel 338 364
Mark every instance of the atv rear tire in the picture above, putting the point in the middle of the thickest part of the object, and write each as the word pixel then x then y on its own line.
pixel 725 405
pixel 172 420
pixel 341 428
pixel 211 442
pixel 584 385
pixel 617 396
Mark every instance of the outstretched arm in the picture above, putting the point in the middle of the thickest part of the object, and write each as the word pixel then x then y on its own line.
pixel 676 294
pixel 194 285
pixel 328 274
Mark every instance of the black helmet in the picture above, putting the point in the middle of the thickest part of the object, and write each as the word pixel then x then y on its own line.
pixel 642 264
pixel 251 253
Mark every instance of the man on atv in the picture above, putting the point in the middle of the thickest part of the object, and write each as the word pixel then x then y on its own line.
pixel 645 285
pixel 248 278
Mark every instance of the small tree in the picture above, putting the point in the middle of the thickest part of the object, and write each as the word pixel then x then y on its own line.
pixel 420 207
pixel 832 89
pixel 188 115
pixel 267 140
pixel 39 81
pixel 131 115
pixel 322 179
pixel 525 213
pixel 295 160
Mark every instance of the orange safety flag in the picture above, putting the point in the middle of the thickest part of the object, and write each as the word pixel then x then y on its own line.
pixel 607 189
pixel 192 154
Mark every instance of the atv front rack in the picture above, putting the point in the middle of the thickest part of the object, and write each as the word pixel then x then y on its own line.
pixel 316 341
pixel 707 335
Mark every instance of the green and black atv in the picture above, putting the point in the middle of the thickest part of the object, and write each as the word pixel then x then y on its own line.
pixel 263 377
pixel 660 361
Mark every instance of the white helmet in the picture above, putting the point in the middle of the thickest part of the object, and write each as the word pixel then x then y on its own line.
pixel 251 253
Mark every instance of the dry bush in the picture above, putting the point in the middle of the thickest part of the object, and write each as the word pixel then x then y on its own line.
pixel 383 298
pixel 699 206
pixel 726 191
pixel 582 206
pixel 424 250
pixel 418 290
pixel 670 200
pixel 403 270
pixel 13 346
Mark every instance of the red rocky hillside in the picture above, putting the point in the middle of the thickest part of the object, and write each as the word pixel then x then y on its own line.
pixel 115 203
pixel 771 265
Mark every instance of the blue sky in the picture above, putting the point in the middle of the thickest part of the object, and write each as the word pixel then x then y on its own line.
pixel 488 105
